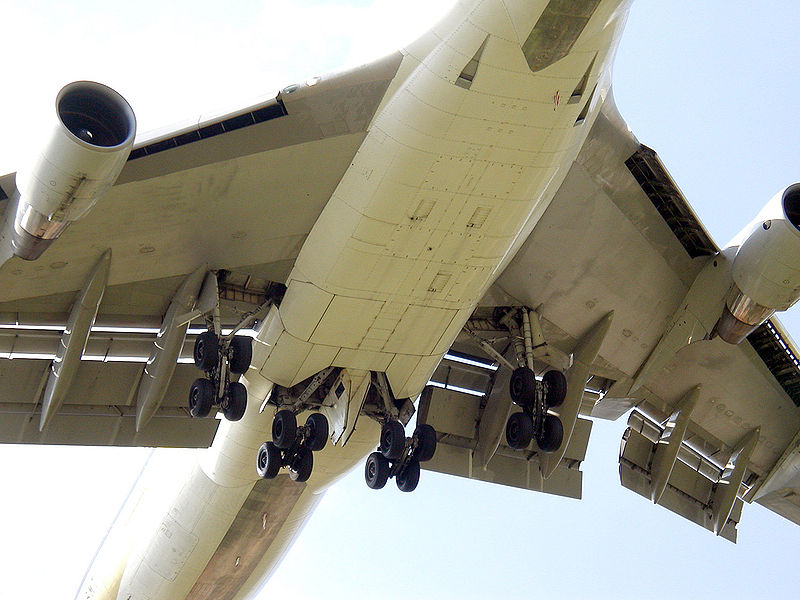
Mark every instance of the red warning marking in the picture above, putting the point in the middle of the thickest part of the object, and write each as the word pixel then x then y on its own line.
pixel 556 100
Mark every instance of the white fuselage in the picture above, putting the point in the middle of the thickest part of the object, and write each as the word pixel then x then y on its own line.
pixel 460 162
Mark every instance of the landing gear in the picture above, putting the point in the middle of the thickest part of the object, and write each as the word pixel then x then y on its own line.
pixel 318 431
pixel 393 440
pixel 519 430
pixel 536 399
pixel 235 402
pixel 219 357
pixel 284 429
pixel 201 397
pixel 426 442
pixel 408 478
pixel 240 354
pixel 551 435
pixel 292 446
pixel 376 470
pixel 399 456
pixel 555 385
pixel 269 460
pixel 206 351
pixel 522 386
pixel 301 465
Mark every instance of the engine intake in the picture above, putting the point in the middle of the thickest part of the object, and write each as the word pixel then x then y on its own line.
pixel 766 268
pixel 87 148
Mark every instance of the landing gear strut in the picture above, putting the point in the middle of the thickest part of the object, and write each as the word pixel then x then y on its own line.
pixel 219 357
pixel 399 456
pixel 292 446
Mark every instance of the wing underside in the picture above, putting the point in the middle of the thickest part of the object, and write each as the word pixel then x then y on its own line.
pixel 619 236
pixel 234 194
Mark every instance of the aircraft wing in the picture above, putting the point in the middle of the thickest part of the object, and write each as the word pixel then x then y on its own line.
pixel 619 273
pixel 709 416
pixel 245 187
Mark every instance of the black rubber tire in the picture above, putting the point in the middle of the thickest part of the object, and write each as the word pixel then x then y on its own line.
pixel 206 351
pixel 201 397
pixel 555 384
pixel 302 465
pixel 552 434
pixel 408 478
pixel 426 442
pixel 268 462
pixel 241 354
pixel 519 430
pixel 522 387
pixel 236 401
pixel 376 471
pixel 284 429
pixel 393 440
pixel 318 424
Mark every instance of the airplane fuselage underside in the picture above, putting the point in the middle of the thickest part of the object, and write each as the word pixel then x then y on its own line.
pixel 458 166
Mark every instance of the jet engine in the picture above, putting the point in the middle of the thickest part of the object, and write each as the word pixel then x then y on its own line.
pixel 766 267
pixel 86 150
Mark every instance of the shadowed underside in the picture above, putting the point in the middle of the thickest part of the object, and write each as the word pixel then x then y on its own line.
pixel 254 530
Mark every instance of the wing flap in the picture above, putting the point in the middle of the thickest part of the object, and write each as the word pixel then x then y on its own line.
pixel 690 489
pixel 108 425
pixel 506 470
pixel 456 416
pixel 99 409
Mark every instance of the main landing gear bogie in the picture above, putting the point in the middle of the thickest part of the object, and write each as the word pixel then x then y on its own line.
pixel 535 399
pixel 400 457
pixel 218 358
pixel 292 446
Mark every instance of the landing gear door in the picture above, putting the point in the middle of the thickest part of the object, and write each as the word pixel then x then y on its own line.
pixel 343 404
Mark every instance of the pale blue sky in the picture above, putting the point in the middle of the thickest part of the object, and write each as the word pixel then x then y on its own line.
pixel 712 86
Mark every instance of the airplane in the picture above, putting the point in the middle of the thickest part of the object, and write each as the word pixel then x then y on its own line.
pixel 420 490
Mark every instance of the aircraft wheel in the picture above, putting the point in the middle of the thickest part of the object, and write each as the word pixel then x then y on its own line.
pixel 393 440
pixel 284 429
pixel 318 424
pixel 302 465
pixel 519 430
pixel 376 471
pixel 206 351
pixel 408 478
pixel 201 397
pixel 552 434
pixel 236 401
pixel 556 388
pixel 268 462
pixel 522 386
pixel 426 447
pixel 241 354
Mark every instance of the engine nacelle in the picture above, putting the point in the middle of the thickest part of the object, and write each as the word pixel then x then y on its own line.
pixel 766 268
pixel 87 148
